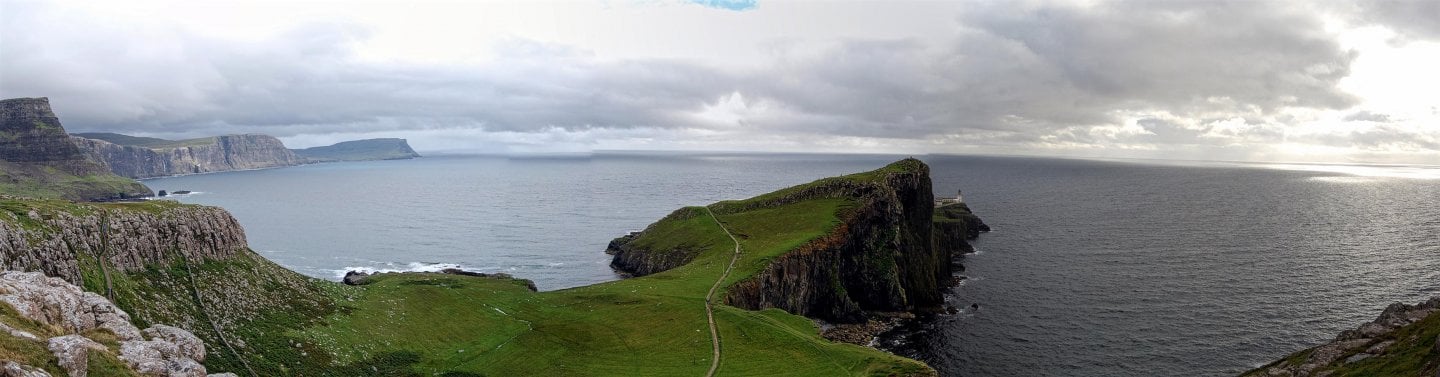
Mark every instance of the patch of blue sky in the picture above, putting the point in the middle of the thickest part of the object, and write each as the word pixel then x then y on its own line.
pixel 735 5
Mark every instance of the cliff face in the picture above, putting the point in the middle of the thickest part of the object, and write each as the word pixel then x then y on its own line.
pixel 360 150
pixel 880 258
pixel 215 154
pixel 33 238
pixel 38 160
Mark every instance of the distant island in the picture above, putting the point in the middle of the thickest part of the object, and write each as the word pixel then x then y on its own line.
pixel 145 157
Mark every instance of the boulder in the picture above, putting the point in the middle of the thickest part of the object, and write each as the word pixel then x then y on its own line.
pixel 188 344
pixel 73 352
pixel 355 278
pixel 14 369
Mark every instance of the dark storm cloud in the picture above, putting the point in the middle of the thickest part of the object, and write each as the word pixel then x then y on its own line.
pixel 1006 74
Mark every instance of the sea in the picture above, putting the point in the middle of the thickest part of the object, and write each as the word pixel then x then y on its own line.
pixel 1093 267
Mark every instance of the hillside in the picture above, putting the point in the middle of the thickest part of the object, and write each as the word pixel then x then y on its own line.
pixel 38 160
pixel 360 150
pixel 189 266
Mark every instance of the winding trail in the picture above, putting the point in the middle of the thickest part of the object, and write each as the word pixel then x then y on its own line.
pixel 709 307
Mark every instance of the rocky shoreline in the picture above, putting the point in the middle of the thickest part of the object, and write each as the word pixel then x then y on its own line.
pixel 1399 333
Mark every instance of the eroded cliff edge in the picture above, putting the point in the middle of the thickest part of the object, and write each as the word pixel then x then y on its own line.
pixel 889 251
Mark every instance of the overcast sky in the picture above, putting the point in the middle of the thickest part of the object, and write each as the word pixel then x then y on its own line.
pixel 1242 80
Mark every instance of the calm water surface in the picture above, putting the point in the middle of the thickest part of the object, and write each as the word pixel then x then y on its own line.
pixel 1095 268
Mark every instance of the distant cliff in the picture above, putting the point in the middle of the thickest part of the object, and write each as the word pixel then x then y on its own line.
pixel 360 150
pixel 38 160
pixel 148 157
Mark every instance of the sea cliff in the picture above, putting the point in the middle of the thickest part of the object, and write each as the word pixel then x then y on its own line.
pixel 204 155
pixel 887 253
pixel 38 160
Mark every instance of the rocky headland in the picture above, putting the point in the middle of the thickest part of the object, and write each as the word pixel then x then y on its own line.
pixel 38 160
pixel 149 158
pixel 145 157
pixel 360 150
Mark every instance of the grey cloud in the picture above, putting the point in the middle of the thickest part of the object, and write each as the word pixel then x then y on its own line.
pixel 1366 116
pixel 1006 75
pixel 1411 18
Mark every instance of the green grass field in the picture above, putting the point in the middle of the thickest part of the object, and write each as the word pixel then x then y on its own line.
pixel 648 326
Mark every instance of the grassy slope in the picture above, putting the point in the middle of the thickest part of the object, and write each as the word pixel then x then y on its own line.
pixel 146 142
pixel 647 326
pixel 36 181
pixel 432 324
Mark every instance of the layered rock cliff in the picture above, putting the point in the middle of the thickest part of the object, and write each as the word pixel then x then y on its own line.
pixel 1403 341
pixel 38 160
pixel 360 150
pixel 36 237
pixel 205 155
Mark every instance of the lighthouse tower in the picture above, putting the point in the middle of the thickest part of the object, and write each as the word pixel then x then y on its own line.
pixel 959 196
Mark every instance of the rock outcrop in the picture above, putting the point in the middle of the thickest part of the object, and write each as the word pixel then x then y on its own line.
pixel 631 260
pixel 205 155
pixel 168 351
pixel 360 150
pixel 881 257
pixel 1403 340
pixel 35 239
pixel 37 158
pixel 953 225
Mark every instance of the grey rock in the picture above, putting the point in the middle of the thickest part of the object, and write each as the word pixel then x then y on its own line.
pixel 74 353
pixel 54 302
pixel 18 333
pixel 14 369
pixel 188 344
pixel 159 358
